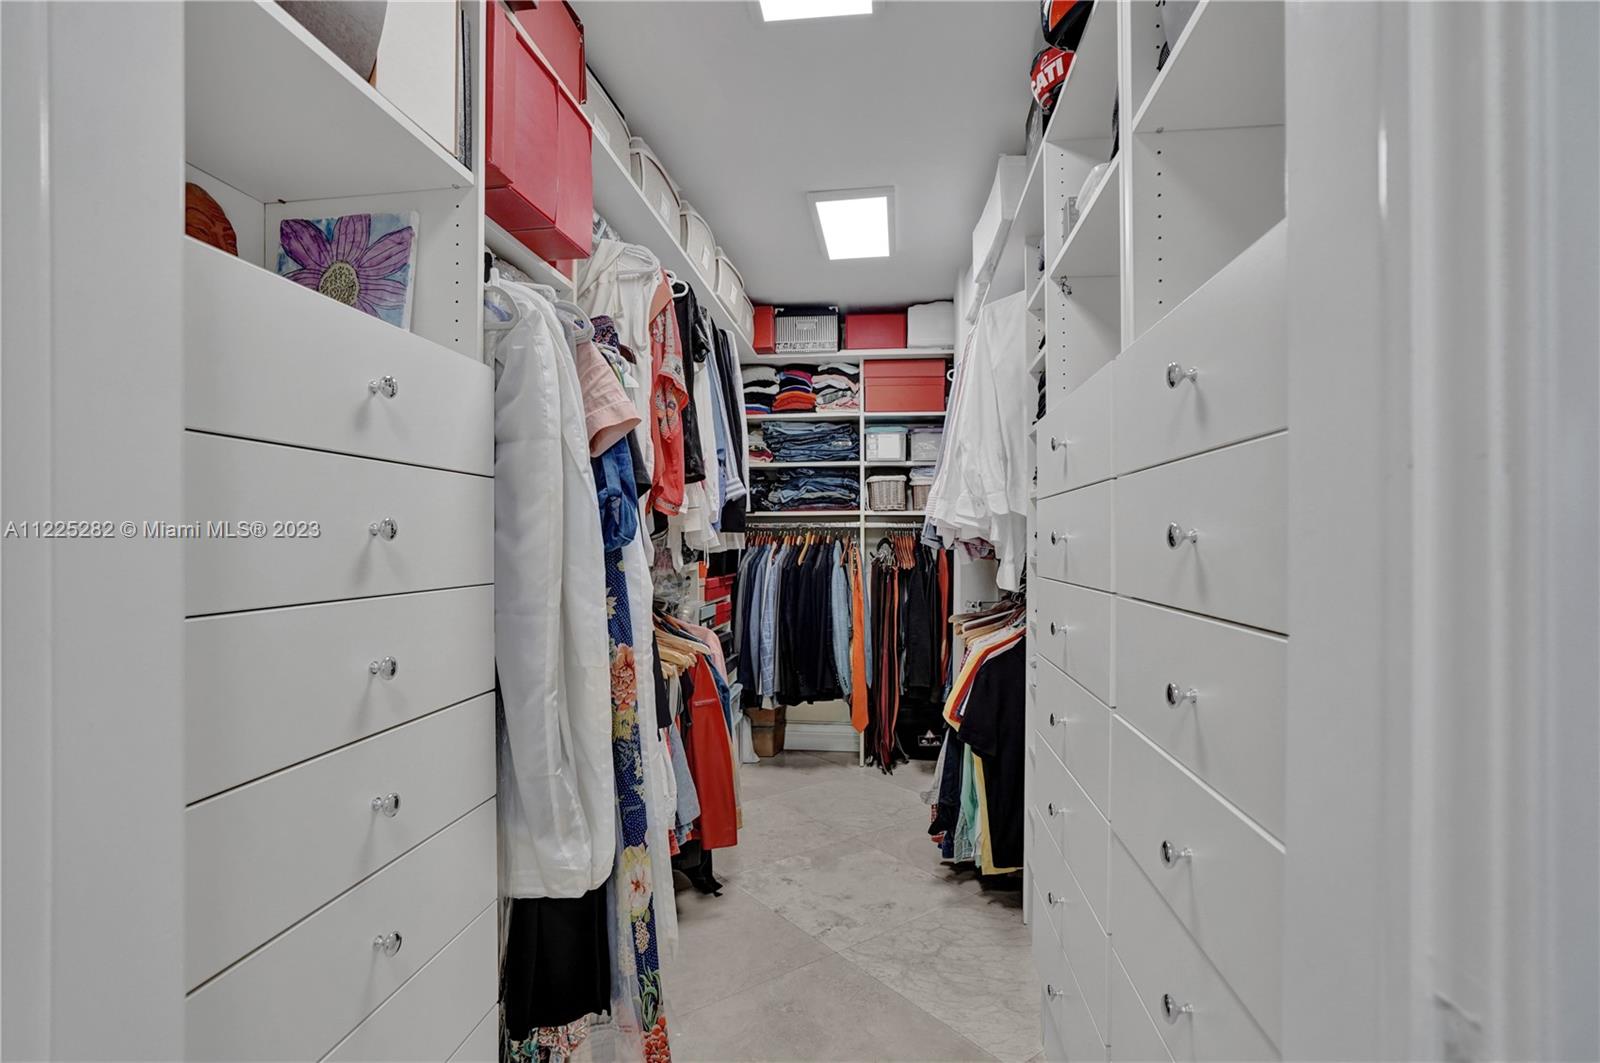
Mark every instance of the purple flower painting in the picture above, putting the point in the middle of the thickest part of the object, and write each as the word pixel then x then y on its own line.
pixel 361 260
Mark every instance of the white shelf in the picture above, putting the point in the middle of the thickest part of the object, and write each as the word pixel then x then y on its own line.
pixel 919 416
pixel 1092 248
pixel 508 247
pixel 1226 71
pixel 846 415
pixel 1036 363
pixel 885 354
pixel 804 464
pixel 272 112
pixel 1030 208
pixel 898 464
pixel 791 514
pixel 1036 297
pixel 1083 110
pixel 621 203
pixel 908 514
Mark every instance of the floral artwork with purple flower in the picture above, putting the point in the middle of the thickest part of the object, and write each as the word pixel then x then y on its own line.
pixel 361 260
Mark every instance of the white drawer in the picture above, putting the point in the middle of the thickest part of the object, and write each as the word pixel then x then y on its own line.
pixel 1234 334
pixel 295 998
pixel 1086 945
pixel 444 525
pixel 263 855
pixel 1075 724
pixel 267 689
pixel 1063 1005
pixel 1080 833
pixel 1235 501
pixel 1074 633
pixel 1228 892
pixel 432 1014
pixel 1074 439
pixel 1042 932
pixel 1134 1037
pixel 1162 961
pixel 483 1043
pixel 1230 731
pixel 268 359
pixel 1073 536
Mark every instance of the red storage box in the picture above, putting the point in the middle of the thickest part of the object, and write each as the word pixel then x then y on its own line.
pixel 539 182
pixel 910 385
pixel 558 34
pixel 764 340
pixel 724 612
pixel 868 332
pixel 718 587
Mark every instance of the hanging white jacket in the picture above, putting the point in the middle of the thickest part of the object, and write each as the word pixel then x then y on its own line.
pixel 619 280
pixel 557 797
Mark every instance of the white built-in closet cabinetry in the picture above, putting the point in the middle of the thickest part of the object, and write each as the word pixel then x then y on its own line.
pixel 1158 541
pixel 339 710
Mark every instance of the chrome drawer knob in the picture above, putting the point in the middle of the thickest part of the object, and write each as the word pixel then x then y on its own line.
pixel 384 669
pixel 1171 1010
pixel 385 528
pixel 1050 809
pixel 1056 444
pixel 1171 855
pixel 1177 695
pixel 1051 991
pixel 387 386
pixel 1057 538
pixel 1054 719
pixel 1177 374
pixel 387 805
pixel 1052 899
pixel 388 944
pixel 1177 536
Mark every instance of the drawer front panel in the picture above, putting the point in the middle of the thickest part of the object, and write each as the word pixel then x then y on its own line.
pixel 1063 1005
pixel 1134 1037
pixel 1223 716
pixel 263 855
pixel 1235 340
pixel 1087 947
pixel 1228 891
pixel 1162 961
pixel 1073 536
pixel 295 998
pixel 430 1016
pixel 1080 427
pixel 268 689
pixel 1042 932
pixel 1074 633
pixel 1077 725
pixel 483 1044
pixel 1081 834
pixel 268 359
pixel 444 526
pixel 1235 503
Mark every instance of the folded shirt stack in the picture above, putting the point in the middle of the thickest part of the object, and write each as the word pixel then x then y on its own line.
pixel 837 385
pixel 756 443
pixel 799 489
pixel 760 388
pixel 810 441
pixel 795 394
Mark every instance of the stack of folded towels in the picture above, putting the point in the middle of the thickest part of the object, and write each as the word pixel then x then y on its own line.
pixel 760 388
pixel 795 394
pixel 837 385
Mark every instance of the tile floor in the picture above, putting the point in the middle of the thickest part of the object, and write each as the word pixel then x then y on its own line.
pixel 840 936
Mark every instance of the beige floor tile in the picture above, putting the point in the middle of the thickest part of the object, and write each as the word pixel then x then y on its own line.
pixel 917 849
pixel 789 770
pixel 727 944
pixel 915 776
pixel 859 803
pixel 827 1010
pixel 847 893
pixel 969 964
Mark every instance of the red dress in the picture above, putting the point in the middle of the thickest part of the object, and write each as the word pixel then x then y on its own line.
pixel 710 759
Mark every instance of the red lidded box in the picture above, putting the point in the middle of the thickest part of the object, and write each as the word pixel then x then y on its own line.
pixel 558 34
pixel 909 385
pixel 764 340
pixel 718 587
pixel 724 612
pixel 868 332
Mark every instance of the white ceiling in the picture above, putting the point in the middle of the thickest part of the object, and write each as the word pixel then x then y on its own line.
pixel 748 117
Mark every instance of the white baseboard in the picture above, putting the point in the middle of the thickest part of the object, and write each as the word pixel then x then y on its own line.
pixel 825 737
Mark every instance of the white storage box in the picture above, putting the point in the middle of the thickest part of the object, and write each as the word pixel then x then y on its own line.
pixel 886 443
pixel 694 236
pixel 607 121
pixel 652 179
pixel 730 286
pixel 744 315
pixel 924 442
pixel 931 325
pixel 989 236
pixel 886 494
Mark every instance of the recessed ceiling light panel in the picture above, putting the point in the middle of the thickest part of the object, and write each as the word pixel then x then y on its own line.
pixel 786 10
pixel 855 222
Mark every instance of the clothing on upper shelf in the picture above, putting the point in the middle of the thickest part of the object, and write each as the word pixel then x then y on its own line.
pixel 981 490
pixel 837 386
pixel 795 392
pixel 909 604
pixel 760 388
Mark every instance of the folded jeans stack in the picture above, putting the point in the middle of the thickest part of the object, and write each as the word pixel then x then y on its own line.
pixel 810 441
pixel 760 388
pixel 800 489
pixel 837 386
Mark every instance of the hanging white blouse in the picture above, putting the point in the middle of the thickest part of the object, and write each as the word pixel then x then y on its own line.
pixel 619 280
pixel 557 798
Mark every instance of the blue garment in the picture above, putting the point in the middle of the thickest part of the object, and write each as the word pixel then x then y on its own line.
pixel 769 625
pixel 840 611
pixel 746 619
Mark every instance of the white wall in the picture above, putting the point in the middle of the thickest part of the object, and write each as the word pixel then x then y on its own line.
pixel 91 875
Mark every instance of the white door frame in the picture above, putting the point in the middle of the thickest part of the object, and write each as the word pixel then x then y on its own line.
pixel 1443 872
